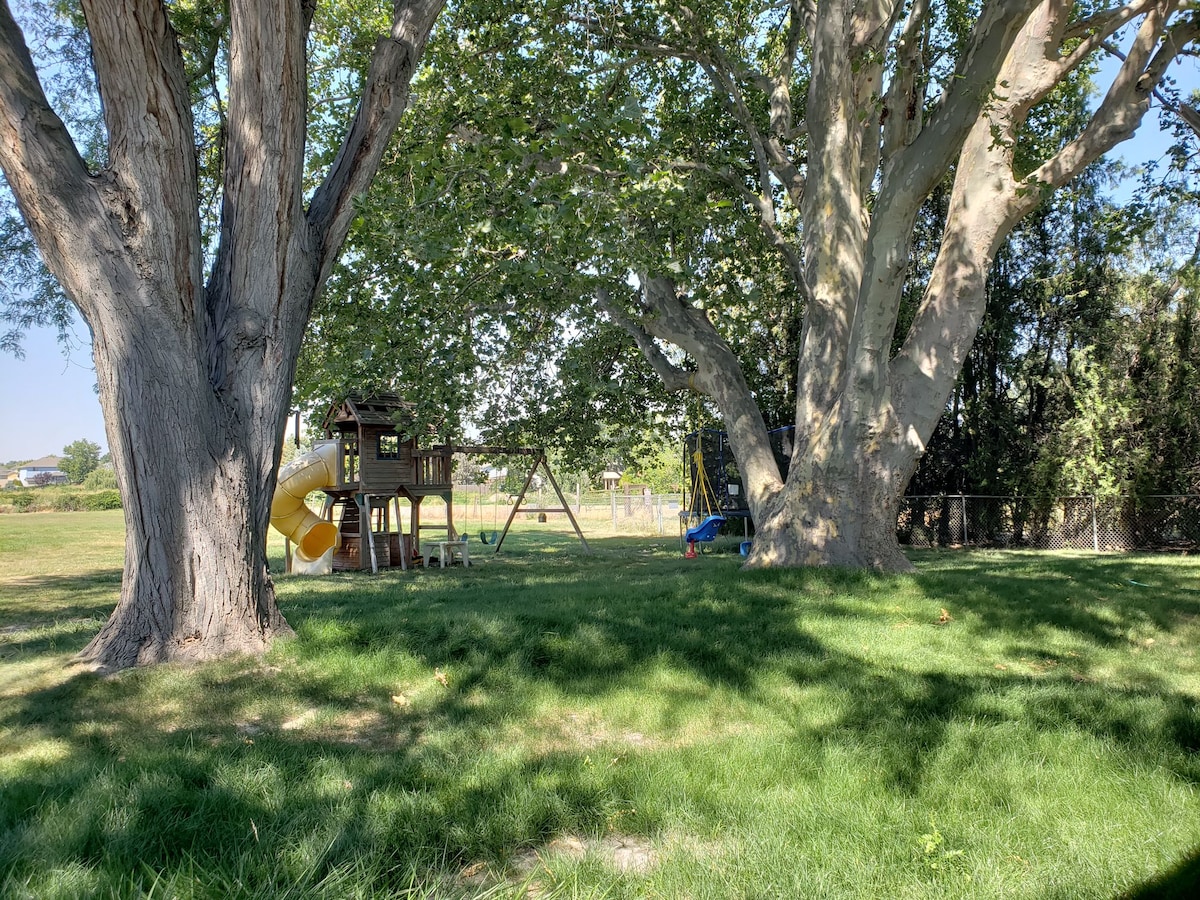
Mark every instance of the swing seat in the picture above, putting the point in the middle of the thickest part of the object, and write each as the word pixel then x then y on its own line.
pixel 488 539
pixel 706 530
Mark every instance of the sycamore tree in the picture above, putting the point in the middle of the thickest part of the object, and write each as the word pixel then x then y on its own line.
pixel 791 208
pixel 851 116
pixel 193 241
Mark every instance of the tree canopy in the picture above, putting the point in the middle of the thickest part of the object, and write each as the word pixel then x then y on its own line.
pixel 80 458
pixel 694 176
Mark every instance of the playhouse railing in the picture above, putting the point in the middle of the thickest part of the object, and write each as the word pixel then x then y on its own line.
pixel 347 464
pixel 432 466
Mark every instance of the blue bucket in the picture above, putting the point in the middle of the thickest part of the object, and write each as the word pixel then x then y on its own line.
pixel 745 548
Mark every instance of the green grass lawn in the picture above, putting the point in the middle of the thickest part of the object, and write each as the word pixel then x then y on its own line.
pixel 625 724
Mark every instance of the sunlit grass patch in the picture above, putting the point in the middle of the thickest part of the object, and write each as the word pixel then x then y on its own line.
pixel 996 725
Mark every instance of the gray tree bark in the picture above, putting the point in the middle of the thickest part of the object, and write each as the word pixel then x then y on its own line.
pixel 195 378
pixel 864 415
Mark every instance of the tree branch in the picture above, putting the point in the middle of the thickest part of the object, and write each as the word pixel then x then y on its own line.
pixel 1190 115
pixel 987 200
pixel 124 245
pixel 1097 21
pixel 146 101
pixel 673 377
pixel 902 109
pixel 1094 39
pixel 1183 110
pixel 766 215
pixel 779 86
pixel 384 98
pixel 718 375
pixel 208 56
pixel 770 155
pixel 919 166
pixel 32 137
pixel 731 95
pixel 1125 103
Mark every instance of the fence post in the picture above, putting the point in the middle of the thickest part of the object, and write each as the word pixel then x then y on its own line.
pixel 612 495
pixel 1095 530
pixel 660 518
pixel 966 537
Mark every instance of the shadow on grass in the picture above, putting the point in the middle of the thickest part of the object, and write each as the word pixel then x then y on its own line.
pixel 49 613
pixel 206 775
pixel 35 597
pixel 1181 883
pixel 1101 599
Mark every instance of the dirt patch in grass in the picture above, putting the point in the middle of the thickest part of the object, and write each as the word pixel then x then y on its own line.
pixel 623 853
pixel 570 732
pixel 364 728
pixel 585 731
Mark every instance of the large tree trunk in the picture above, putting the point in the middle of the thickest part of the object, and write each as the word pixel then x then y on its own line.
pixel 196 468
pixel 195 379
pixel 196 496
pixel 839 503
pixel 840 518
pixel 863 416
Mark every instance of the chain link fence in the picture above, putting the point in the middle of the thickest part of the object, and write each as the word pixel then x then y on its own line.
pixel 633 513
pixel 1166 522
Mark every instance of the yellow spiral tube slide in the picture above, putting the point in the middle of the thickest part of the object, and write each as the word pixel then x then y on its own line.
pixel 311 534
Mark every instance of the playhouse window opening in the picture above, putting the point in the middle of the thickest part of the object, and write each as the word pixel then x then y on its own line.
pixel 389 446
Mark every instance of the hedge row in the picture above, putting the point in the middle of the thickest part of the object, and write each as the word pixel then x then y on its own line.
pixel 44 500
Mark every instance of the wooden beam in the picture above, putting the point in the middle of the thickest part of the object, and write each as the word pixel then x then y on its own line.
pixel 487 450
pixel 563 501
pixel 516 506
pixel 541 461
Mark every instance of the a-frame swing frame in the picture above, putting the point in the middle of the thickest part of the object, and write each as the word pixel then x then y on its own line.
pixel 539 459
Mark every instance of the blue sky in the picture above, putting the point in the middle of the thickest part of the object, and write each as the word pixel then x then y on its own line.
pixel 49 400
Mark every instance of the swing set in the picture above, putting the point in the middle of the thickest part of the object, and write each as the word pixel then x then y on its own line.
pixel 539 461
pixel 485 536
pixel 705 508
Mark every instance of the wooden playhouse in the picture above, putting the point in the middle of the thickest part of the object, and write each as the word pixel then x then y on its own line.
pixel 378 467
pixel 368 465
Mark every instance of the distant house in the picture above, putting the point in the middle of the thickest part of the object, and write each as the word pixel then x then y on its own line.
pixel 9 477
pixel 611 479
pixel 41 471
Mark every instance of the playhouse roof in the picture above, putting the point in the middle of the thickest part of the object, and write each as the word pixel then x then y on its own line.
pixel 378 409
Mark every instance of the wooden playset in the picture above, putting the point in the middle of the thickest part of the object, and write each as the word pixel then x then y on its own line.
pixel 366 466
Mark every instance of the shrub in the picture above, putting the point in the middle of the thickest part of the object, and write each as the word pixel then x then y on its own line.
pixel 102 500
pixel 102 479
pixel 66 502
pixel 59 500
